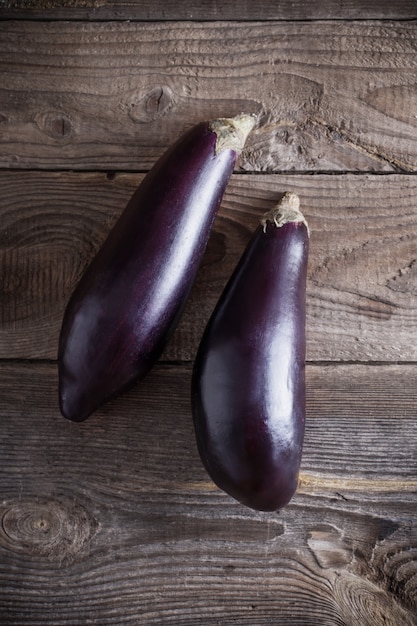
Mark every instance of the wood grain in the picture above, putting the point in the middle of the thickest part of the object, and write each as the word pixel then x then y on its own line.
pixel 206 10
pixel 362 280
pixel 115 95
pixel 114 521
pixel 118 512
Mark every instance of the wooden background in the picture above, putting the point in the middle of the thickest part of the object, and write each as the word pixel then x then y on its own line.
pixel 114 521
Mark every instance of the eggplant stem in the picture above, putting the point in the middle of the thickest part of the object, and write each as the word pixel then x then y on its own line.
pixel 287 210
pixel 232 132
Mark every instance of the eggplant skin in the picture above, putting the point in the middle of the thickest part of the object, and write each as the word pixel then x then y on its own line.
pixel 248 382
pixel 130 298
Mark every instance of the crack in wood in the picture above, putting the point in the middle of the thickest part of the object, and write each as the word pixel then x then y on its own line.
pixel 337 133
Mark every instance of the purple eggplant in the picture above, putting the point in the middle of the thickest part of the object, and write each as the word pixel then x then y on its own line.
pixel 131 296
pixel 248 383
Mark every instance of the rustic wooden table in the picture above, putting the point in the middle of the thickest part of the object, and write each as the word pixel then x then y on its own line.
pixel 114 520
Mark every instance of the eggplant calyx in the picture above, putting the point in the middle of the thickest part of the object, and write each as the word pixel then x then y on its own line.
pixel 232 132
pixel 287 210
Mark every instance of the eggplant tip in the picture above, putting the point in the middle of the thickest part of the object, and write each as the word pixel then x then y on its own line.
pixel 268 502
pixel 232 132
pixel 71 408
pixel 287 210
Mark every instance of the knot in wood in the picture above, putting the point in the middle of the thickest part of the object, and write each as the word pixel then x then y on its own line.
pixel 154 104
pixel 55 124
pixel 53 529
pixel 362 602
pixel 159 100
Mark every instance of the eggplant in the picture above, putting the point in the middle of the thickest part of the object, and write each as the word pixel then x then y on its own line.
pixel 248 380
pixel 130 298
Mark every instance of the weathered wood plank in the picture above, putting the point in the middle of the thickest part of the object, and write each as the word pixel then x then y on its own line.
pixel 362 281
pixel 114 521
pixel 207 9
pixel 359 443
pixel 333 96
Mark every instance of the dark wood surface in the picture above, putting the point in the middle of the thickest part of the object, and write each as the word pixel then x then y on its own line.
pixel 330 96
pixel 208 10
pixel 362 288
pixel 114 521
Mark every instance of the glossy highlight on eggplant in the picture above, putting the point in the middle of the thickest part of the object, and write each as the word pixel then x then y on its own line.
pixel 130 298
pixel 248 383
